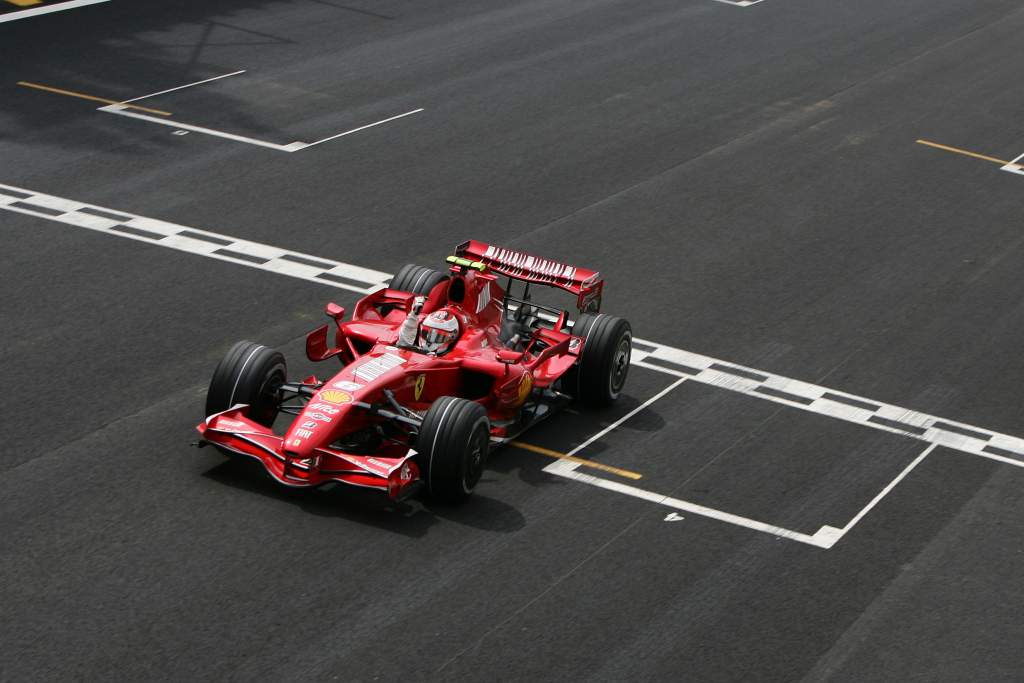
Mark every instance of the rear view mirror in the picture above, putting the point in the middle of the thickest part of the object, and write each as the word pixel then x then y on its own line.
pixel 335 311
pixel 509 356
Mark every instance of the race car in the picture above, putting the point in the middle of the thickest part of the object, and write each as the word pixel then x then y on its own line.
pixel 436 370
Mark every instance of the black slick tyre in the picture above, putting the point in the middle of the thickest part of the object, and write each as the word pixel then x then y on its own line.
pixel 416 279
pixel 252 374
pixel 451 449
pixel 600 373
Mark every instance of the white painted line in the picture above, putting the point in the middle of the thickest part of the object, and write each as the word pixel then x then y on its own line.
pixel 47 9
pixel 618 422
pixel 1014 166
pixel 696 509
pixel 121 110
pixel 356 130
pixel 884 492
pixel 825 537
pixel 180 87
pixel 739 3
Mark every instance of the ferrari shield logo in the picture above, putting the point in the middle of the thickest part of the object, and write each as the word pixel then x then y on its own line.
pixel 421 381
pixel 525 386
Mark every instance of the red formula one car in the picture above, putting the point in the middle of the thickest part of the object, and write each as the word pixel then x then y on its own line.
pixel 436 369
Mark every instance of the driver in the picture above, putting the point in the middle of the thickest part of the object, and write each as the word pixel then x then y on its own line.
pixel 439 332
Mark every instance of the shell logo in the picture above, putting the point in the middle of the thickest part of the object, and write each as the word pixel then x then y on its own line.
pixel 336 397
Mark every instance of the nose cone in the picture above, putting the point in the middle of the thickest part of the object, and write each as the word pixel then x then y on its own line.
pixel 320 422
pixel 315 425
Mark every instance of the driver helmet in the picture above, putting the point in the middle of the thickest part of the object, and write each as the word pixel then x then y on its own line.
pixel 439 331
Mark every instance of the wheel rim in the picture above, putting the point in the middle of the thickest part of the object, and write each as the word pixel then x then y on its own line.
pixel 267 397
pixel 475 459
pixel 620 366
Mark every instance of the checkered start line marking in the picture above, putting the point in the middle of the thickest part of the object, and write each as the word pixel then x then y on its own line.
pixel 192 240
pixel 679 363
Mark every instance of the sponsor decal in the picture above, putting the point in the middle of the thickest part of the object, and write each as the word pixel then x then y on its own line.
pixel 375 367
pixel 347 386
pixel 332 396
pixel 323 407
pixel 421 381
pixel 483 298
pixel 231 424
pixel 380 468
pixel 525 386
pixel 406 473
pixel 319 417
pixel 296 443
pixel 303 433
pixel 309 424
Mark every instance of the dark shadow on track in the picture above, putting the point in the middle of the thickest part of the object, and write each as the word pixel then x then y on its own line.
pixel 412 518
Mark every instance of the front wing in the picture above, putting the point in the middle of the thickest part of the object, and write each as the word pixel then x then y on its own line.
pixel 233 431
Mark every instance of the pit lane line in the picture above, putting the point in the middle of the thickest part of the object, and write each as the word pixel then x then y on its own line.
pixel 669 360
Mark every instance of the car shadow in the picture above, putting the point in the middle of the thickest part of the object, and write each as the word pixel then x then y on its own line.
pixel 412 517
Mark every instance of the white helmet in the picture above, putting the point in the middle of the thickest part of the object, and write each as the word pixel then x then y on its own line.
pixel 439 331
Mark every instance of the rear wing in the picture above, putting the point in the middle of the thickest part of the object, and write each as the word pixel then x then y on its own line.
pixel 586 284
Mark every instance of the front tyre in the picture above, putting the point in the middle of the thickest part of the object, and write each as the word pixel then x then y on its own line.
pixel 600 373
pixel 252 374
pixel 452 447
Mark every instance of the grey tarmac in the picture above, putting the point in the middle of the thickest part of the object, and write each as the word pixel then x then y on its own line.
pixel 748 180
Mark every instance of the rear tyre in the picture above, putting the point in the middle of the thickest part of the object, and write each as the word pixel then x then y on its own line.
pixel 416 279
pixel 452 448
pixel 252 374
pixel 600 373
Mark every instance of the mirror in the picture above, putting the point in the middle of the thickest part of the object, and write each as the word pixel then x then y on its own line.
pixel 335 311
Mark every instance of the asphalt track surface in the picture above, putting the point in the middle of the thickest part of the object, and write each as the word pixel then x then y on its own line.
pixel 749 182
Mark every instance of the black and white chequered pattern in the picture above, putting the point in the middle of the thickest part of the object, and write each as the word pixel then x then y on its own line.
pixel 184 238
pixel 830 402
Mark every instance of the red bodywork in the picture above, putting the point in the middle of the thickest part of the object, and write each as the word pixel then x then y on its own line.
pixel 480 368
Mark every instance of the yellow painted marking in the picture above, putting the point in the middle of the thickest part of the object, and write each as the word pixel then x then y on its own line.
pixel 25 3
pixel 72 93
pixel 957 150
pixel 579 461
